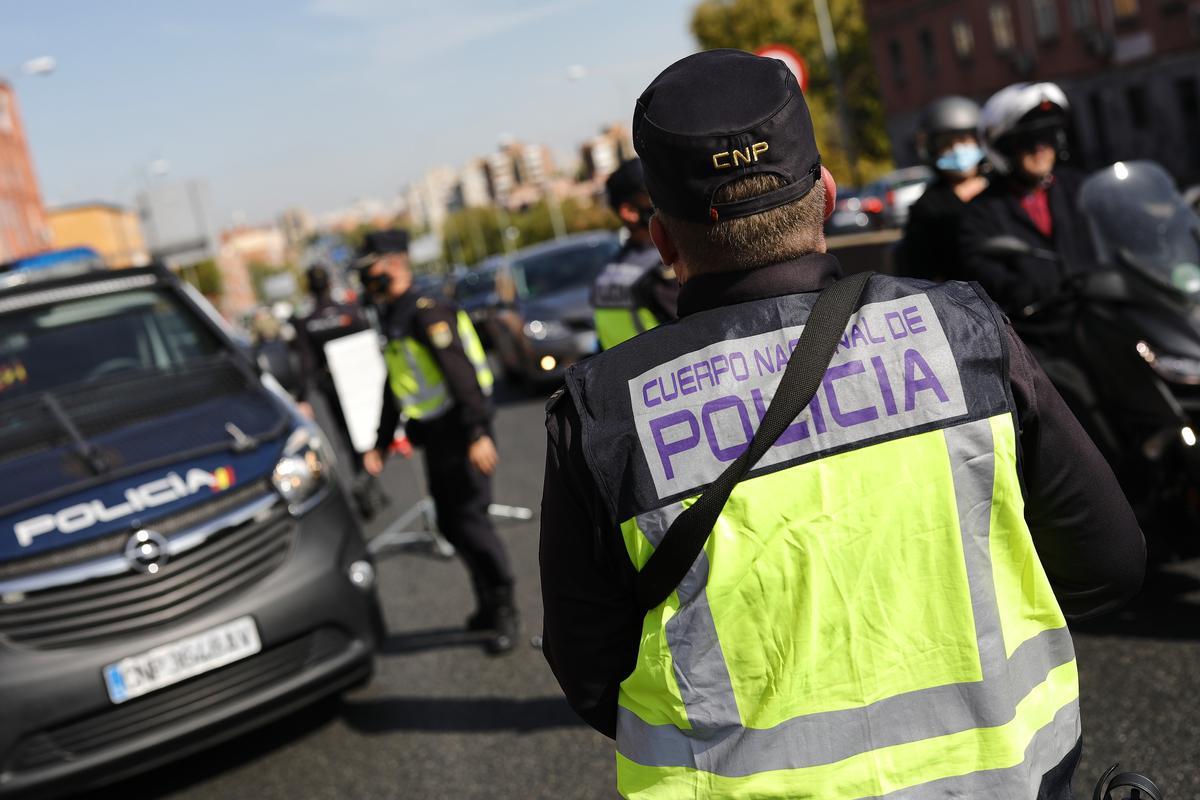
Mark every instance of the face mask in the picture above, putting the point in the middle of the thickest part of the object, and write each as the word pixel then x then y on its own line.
pixel 962 158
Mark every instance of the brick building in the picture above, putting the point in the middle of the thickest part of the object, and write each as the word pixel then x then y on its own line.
pixel 1131 68
pixel 23 228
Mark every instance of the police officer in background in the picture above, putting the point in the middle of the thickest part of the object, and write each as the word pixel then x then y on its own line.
pixel 329 320
pixel 872 613
pixel 1033 199
pixel 439 381
pixel 637 291
pixel 948 141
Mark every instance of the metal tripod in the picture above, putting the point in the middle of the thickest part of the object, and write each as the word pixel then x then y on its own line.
pixel 417 527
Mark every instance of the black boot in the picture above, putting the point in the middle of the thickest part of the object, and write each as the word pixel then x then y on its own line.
pixel 484 618
pixel 506 626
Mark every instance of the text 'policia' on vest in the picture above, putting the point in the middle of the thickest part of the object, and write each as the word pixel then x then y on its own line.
pixel 869 616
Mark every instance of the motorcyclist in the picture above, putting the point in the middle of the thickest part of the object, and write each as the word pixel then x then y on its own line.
pixel 1023 129
pixel 947 140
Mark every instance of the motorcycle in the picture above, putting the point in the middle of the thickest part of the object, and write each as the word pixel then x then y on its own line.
pixel 1121 342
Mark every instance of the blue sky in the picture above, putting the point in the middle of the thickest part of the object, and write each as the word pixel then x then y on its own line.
pixel 318 102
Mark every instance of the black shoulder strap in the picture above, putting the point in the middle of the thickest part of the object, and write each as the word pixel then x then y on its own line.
pixel 685 538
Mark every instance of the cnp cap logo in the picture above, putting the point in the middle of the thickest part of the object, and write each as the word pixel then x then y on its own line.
pixel 736 157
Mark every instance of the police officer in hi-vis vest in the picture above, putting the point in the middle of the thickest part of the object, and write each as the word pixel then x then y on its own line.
pixel 637 291
pixel 879 610
pixel 439 381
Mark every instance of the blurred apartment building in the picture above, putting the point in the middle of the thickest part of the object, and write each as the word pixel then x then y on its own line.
pixel 240 248
pixel 602 154
pixel 111 230
pixel 1131 68
pixel 23 226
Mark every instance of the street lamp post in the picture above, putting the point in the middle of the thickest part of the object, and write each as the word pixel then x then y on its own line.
pixel 829 45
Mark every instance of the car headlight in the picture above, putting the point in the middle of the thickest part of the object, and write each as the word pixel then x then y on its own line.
pixel 1176 369
pixel 303 469
pixel 546 329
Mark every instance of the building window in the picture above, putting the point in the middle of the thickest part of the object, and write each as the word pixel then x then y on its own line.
pixel 1045 19
pixel 6 124
pixel 963 38
pixel 1083 14
pixel 1125 9
pixel 1139 114
pixel 1002 27
pixel 896 56
pixel 928 54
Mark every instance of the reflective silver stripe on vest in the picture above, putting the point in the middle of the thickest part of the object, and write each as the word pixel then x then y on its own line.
pixel 719 744
pixel 425 391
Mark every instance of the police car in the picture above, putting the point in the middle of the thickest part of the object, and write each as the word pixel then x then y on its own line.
pixel 176 561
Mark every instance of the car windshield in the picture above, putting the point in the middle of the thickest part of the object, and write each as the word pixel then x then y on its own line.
pixel 1139 220
pixel 562 268
pixel 85 340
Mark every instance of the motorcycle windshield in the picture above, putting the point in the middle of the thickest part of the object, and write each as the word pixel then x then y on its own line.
pixel 1139 220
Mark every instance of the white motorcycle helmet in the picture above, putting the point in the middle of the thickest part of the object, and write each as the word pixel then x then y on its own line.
pixel 1019 111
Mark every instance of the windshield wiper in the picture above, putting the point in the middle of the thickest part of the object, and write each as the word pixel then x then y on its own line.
pixel 83 448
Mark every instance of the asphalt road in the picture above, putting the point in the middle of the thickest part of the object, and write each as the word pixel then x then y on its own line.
pixel 443 720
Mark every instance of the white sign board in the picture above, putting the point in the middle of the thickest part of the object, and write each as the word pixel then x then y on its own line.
pixel 358 374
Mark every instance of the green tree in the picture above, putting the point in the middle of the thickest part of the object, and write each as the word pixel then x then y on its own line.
pixel 750 24
pixel 472 234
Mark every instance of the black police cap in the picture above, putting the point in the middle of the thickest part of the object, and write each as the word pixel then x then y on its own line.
pixel 718 116
pixel 381 243
pixel 626 181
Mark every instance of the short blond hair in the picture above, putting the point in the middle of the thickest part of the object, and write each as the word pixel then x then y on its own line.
pixel 743 243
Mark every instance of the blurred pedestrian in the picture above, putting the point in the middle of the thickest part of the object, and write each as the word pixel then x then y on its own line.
pixel 1033 199
pixel 877 608
pixel 327 321
pixel 440 383
pixel 637 291
pixel 948 141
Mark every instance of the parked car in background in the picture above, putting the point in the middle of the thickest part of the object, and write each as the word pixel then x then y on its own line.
pixel 889 199
pixel 542 320
pixel 848 214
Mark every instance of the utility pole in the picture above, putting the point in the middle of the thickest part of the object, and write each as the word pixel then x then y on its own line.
pixel 829 45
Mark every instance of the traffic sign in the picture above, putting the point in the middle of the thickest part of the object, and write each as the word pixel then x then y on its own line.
pixel 790 57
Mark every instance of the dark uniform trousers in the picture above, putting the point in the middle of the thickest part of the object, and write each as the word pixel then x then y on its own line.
pixel 461 496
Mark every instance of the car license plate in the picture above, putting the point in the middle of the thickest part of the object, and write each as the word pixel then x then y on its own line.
pixel 171 663
pixel 586 342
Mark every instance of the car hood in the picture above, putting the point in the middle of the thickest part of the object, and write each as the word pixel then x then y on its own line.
pixel 569 306
pixel 157 465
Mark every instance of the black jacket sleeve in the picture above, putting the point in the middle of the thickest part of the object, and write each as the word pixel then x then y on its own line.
pixel 1085 532
pixel 389 418
pixel 591 625
pixel 1010 287
pixel 430 329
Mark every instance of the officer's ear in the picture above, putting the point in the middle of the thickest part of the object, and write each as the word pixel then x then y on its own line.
pixel 667 250
pixel 830 191
pixel 629 214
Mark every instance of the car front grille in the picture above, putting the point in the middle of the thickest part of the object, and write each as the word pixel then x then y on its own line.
pixel 229 561
pixel 160 709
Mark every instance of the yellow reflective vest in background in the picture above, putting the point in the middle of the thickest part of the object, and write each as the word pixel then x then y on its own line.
pixel 417 380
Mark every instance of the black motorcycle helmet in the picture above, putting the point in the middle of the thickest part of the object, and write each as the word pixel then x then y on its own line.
pixel 945 116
